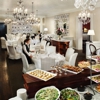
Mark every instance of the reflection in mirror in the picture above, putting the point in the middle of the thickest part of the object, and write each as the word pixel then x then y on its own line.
pixel 62 21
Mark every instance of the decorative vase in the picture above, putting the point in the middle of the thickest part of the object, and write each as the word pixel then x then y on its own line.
pixel 59 37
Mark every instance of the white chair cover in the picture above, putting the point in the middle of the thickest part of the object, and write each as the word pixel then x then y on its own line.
pixel 26 66
pixel 69 52
pixel 3 43
pixel 72 59
pixel 12 53
pixel 47 62
pixel 50 49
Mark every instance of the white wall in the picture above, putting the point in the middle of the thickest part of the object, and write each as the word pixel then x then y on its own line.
pixel 96 24
pixel 50 24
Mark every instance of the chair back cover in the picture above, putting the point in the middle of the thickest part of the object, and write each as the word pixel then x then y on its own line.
pixel 25 62
pixel 50 49
pixel 72 59
pixel 47 62
pixel 69 52
pixel 11 50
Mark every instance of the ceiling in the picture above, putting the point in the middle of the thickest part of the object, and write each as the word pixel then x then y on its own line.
pixel 44 7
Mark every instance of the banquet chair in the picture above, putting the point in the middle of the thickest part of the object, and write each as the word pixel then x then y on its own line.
pixel 47 62
pixel 92 49
pixel 72 60
pixel 26 66
pixel 13 54
pixel 50 49
pixel 3 43
pixel 69 52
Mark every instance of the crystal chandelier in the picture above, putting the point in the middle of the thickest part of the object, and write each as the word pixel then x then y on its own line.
pixel 20 13
pixel 7 20
pixel 84 17
pixel 32 19
pixel 86 4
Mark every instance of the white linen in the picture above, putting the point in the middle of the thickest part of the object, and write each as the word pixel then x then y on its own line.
pixel 37 58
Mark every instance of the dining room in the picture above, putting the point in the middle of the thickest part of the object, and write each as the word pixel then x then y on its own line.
pixel 47 37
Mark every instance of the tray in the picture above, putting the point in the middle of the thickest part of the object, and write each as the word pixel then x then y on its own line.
pixel 72 71
pixel 95 68
pixel 41 74
pixel 95 78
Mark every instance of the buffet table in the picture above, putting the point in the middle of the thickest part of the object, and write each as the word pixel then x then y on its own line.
pixel 61 81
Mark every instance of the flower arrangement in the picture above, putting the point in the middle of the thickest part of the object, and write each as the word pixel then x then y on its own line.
pixel 60 31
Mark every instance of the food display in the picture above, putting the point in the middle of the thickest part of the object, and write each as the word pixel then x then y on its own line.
pixel 97 88
pixel 83 64
pixel 41 74
pixel 96 57
pixel 69 94
pixel 72 69
pixel 48 93
pixel 95 67
pixel 95 78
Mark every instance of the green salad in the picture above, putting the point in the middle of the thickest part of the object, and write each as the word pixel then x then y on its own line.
pixel 69 94
pixel 47 94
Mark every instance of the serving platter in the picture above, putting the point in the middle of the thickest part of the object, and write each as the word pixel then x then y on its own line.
pixel 72 69
pixel 95 78
pixel 95 67
pixel 83 64
pixel 41 74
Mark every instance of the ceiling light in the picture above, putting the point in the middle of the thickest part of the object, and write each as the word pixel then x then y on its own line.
pixel 84 17
pixel 20 13
pixel 85 4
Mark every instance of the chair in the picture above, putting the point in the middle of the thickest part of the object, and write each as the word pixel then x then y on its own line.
pixel 92 49
pixel 13 54
pixel 72 59
pixel 26 67
pixel 50 49
pixel 69 52
pixel 3 43
pixel 47 62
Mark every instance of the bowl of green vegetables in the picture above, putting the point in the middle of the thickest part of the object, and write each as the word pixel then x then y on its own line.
pixel 69 94
pixel 47 93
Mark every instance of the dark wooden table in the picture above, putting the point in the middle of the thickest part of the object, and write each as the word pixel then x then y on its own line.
pixel 33 84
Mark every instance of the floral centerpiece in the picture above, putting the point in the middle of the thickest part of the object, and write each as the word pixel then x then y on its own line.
pixel 59 32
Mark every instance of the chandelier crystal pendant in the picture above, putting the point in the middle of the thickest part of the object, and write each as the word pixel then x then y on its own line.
pixel 86 4
pixel 20 13
pixel 32 19
pixel 84 17
pixel 7 20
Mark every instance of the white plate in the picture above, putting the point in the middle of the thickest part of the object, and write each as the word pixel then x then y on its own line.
pixel 41 74
pixel 72 71
pixel 49 87
pixel 94 69
pixel 96 81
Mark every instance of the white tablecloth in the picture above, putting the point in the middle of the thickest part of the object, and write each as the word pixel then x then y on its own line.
pixel 37 58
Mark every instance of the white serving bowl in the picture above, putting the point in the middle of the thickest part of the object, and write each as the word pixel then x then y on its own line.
pixel 47 94
pixel 70 94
